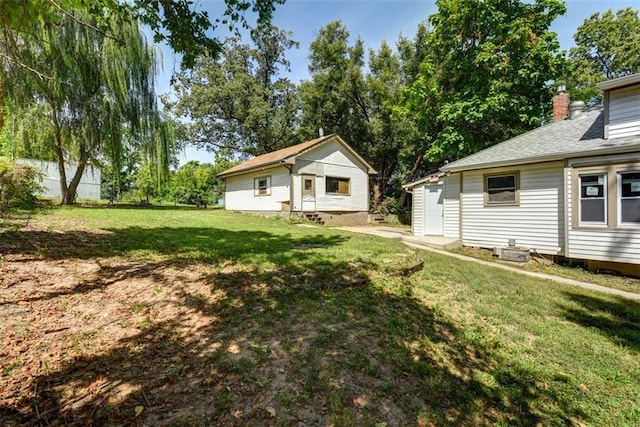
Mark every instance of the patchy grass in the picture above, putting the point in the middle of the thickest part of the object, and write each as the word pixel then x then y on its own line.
pixel 165 316
pixel 571 272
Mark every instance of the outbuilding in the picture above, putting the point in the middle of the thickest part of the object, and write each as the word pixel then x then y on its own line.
pixel 324 179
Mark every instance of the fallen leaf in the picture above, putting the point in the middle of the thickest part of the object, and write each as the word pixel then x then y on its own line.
pixel 271 410
pixel 139 410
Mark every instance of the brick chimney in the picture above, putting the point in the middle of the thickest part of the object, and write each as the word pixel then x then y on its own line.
pixel 561 105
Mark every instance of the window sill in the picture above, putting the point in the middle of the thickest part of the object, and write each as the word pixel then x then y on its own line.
pixel 500 205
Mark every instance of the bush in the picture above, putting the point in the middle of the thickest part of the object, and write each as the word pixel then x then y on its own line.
pixel 390 205
pixel 18 185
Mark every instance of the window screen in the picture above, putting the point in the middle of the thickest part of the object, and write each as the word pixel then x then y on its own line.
pixel 593 206
pixel 501 189
pixel 630 198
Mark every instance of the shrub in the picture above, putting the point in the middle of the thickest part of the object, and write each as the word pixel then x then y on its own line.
pixel 390 205
pixel 18 185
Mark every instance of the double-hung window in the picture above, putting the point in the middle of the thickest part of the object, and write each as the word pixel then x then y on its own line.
pixel 629 199
pixel 262 186
pixel 501 189
pixel 593 199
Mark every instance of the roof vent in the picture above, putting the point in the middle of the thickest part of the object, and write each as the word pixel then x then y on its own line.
pixel 575 109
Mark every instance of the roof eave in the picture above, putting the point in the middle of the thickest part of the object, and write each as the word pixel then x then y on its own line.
pixel 254 168
pixel 540 159
pixel 619 82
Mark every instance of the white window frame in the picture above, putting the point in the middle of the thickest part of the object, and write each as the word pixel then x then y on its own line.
pixel 604 198
pixel 620 198
pixel 257 188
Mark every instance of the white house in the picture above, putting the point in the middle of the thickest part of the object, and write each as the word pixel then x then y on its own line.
pixel 569 189
pixel 88 188
pixel 324 178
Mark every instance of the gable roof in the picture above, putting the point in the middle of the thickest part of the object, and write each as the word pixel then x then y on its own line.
pixel 288 156
pixel 578 137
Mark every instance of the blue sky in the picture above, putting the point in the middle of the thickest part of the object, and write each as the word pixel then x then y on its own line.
pixel 373 21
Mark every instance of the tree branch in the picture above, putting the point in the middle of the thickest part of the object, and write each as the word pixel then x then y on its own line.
pixel 36 72
pixel 86 24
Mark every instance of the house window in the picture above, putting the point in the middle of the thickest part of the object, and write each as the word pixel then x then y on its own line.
pixel 629 200
pixel 593 198
pixel 337 186
pixel 501 189
pixel 262 186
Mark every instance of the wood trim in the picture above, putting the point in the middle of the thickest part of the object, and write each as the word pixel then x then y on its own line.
pixel 485 194
pixel 611 169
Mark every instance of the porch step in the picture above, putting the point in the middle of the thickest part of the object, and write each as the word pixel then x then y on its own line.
pixel 435 242
pixel 314 217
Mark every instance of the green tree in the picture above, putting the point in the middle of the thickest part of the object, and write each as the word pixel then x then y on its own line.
pixel 241 103
pixel 356 98
pixel 147 182
pixel 98 90
pixel 607 47
pixel 186 30
pixel 486 76
pixel 194 183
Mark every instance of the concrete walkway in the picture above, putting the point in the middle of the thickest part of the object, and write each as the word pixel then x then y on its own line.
pixel 405 236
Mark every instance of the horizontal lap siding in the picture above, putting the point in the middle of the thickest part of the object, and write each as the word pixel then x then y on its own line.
pixel 605 245
pixel 240 196
pixel 417 215
pixel 602 244
pixel 336 162
pixel 624 112
pixel 537 223
pixel 358 200
pixel 452 206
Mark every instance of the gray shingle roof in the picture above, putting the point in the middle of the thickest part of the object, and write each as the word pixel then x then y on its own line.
pixel 582 136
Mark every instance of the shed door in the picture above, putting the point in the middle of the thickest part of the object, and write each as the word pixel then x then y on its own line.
pixel 308 193
pixel 434 210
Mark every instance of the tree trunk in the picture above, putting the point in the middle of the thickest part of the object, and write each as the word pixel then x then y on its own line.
pixel 75 181
pixel 403 197
pixel 64 196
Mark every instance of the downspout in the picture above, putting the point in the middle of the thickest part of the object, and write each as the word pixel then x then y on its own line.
pixel 291 201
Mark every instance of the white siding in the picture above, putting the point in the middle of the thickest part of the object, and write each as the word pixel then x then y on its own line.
pixel 239 194
pixel 606 244
pixel 88 188
pixel 417 211
pixel 452 206
pixel 538 221
pixel 624 112
pixel 332 159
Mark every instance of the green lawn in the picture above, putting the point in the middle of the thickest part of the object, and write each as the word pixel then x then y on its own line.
pixel 166 316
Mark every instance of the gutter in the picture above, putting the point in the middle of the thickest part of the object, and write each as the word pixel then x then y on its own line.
pixel 262 167
pixel 550 158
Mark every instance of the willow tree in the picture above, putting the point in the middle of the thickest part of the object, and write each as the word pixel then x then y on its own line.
pixel 97 95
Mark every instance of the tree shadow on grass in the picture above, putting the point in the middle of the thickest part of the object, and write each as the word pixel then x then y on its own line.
pixel 181 244
pixel 616 317
pixel 314 340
